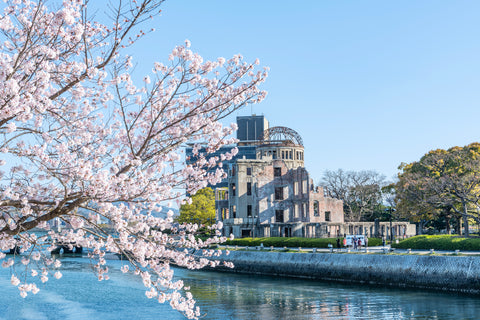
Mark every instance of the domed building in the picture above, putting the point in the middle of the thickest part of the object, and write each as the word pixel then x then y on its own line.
pixel 269 193
pixel 273 194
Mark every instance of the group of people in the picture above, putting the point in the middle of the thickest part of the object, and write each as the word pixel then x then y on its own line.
pixel 356 242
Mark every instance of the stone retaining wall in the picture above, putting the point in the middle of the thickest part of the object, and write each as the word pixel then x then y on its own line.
pixel 449 273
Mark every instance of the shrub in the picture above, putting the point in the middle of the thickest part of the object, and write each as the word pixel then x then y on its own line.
pixel 373 242
pixel 439 242
pixel 294 242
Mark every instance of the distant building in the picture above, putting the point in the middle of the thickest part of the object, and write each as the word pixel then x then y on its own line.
pixel 248 127
pixel 251 128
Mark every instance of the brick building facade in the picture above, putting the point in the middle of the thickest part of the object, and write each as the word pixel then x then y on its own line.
pixel 273 194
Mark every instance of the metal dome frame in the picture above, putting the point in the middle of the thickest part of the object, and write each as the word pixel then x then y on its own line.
pixel 281 134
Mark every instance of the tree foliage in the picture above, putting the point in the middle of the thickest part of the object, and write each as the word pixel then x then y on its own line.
pixel 442 182
pixel 83 143
pixel 201 208
pixel 360 191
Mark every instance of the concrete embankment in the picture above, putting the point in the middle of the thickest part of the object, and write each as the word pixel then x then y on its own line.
pixel 449 273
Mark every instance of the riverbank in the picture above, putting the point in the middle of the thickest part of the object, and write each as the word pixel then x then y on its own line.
pixel 79 295
pixel 446 273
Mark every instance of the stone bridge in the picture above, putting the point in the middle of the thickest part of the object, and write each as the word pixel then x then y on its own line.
pixel 67 248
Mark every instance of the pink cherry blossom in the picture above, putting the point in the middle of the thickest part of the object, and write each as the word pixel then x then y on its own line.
pixel 85 146
pixel 14 280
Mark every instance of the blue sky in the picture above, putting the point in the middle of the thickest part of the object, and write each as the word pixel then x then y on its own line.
pixel 367 84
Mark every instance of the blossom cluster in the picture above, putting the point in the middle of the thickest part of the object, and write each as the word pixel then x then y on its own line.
pixel 83 145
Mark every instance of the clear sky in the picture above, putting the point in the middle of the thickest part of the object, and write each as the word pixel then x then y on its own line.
pixel 367 84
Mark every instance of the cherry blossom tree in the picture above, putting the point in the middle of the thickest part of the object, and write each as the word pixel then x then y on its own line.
pixel 83 144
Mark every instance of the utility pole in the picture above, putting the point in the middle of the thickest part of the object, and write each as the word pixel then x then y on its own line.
pixel 391 233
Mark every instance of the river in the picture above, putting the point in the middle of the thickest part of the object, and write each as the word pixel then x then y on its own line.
pixel 79 296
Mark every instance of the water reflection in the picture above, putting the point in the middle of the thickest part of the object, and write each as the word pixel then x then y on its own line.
pixel 78 295
pixel 235 296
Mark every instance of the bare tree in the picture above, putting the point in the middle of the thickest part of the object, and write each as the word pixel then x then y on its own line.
pixel 359 190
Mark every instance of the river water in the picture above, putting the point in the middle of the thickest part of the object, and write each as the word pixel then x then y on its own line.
pixel 79 296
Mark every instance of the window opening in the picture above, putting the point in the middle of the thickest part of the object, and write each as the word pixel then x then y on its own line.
pixel 327 215
pixel 277 172
pixel 315 209
pixel 278 193
pixel 278 215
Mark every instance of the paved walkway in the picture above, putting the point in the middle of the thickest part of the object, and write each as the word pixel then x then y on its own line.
pixel 378 249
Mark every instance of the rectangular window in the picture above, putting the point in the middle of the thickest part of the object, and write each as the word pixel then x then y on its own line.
pixel 249 188
pixel 249 171
pixel 249 210
pixel 234 190
pixel 225 213
pixel 316 212
pixel 246 233
pixel 233 171
pixel 327 215
pixel 277 172
pixel 290 155
pixel 278 193
pixel 233 209
pixel 278 215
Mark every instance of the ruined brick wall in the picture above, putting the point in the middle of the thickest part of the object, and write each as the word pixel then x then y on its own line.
pixel 299 196
pixel 300 202
pixel 265 191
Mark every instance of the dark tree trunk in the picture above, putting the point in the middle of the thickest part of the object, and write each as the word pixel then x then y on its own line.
pixel 465 224
pixel 447 223
pixel 465 220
